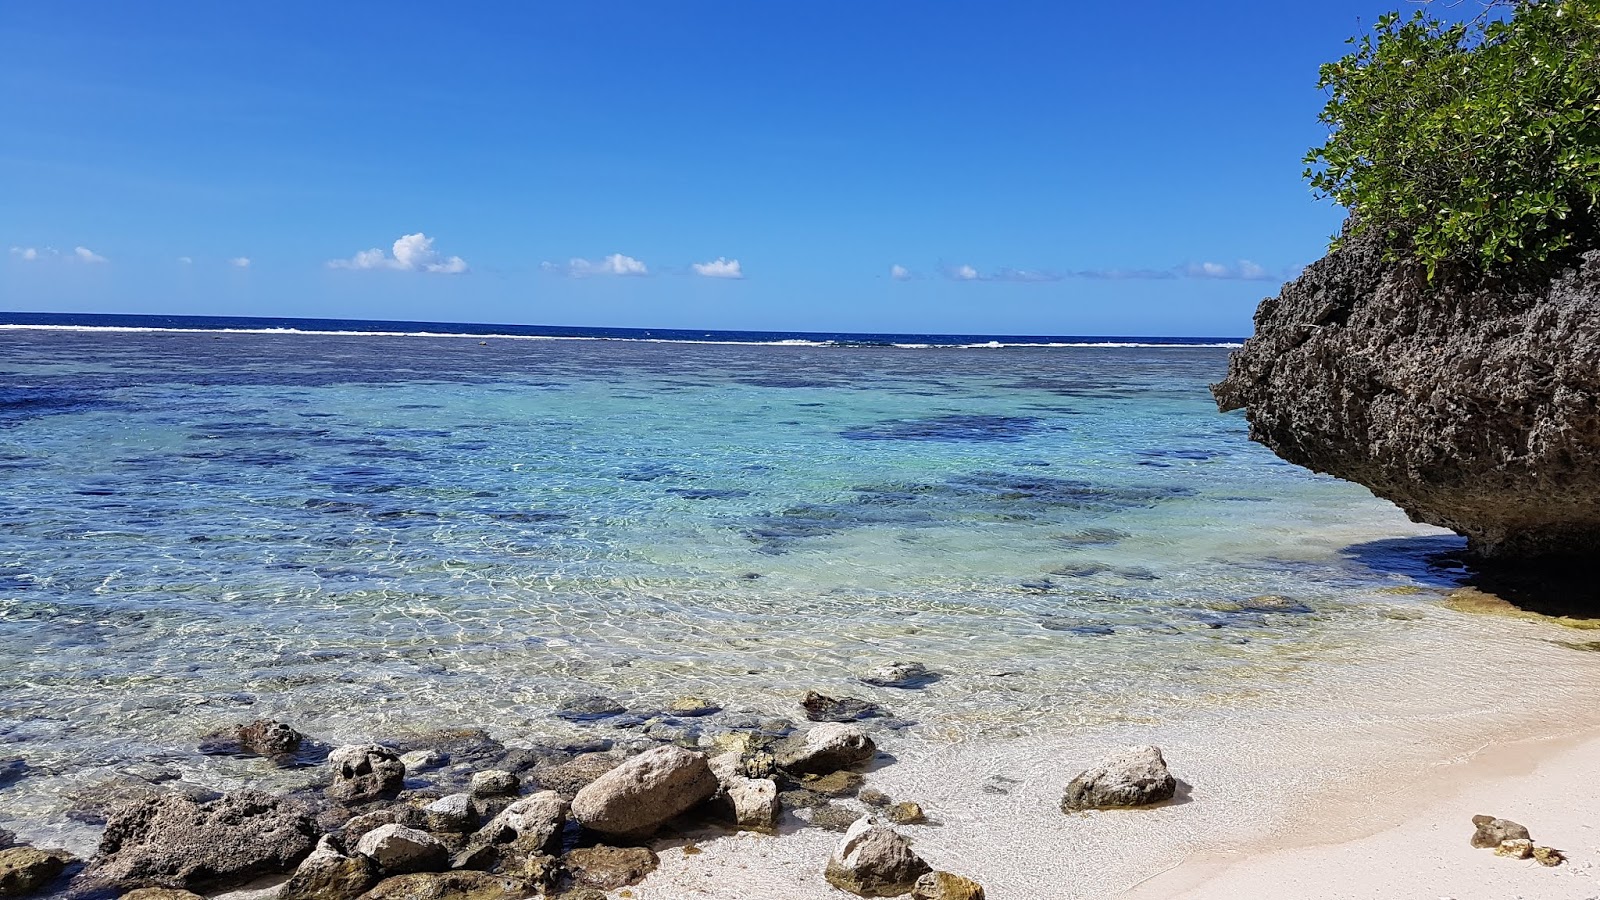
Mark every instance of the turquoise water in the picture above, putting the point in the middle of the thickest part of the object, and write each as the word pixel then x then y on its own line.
pixel 369 536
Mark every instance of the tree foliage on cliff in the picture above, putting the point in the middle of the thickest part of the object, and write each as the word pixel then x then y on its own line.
pixel 1476 146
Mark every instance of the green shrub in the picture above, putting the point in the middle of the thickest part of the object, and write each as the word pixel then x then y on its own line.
pixel 1475 147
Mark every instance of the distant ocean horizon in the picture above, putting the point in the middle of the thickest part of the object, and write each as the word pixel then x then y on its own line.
pixel 395 327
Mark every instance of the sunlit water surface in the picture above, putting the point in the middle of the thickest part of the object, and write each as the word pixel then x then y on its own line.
pixel 373 536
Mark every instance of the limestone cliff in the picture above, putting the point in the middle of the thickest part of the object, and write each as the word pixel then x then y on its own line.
pixel 1477 408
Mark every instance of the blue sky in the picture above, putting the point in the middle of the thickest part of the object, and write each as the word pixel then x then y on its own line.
pixel 1043 168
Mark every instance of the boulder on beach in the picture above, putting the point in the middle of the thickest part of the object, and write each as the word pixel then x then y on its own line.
pixel 946 886
pixel 328 874
pixel 530 825
pixel 872 860
pixel 365 772
pixel 641 794
pixel 1137 776
pixel 168 840
pixel 399 850
pixel 609 868
pixel 825 748
pixel 1490 832
pixel 747 802
pixel 26 870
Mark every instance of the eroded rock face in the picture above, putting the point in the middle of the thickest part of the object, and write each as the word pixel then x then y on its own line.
pixel 365 772
pixel 168 840
pixel 1474 409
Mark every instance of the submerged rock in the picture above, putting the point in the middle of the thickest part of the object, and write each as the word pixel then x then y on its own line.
pixel 589 709
pixel 825 748
pixel 167 840
pixel 822 708
pixel 609 868
pixel 1137 776
pixel 1470 407
pixel 871 860
pixel 1492 832
pixel 640 795
pixel 574 775
pixel 268 737
pixel 906 675
pixel 448 886
pixel 906 813
pixel 693 706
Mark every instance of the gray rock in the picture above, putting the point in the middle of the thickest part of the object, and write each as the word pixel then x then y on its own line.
pixel 689 707
pixel 822 708
pixel 399 850
pixel 357 827
pixel 825 748
pixel 907 675
pixel 423 760
pixel 494 783
pixel 589 709
pixel 945 886
pixel 167 840
pixel 454 814
pixel 1490 832
pixel 640 795
pixel 570 777
pixel 1137 776
pixel 25 870
pixel 328 874
pixel 531 825
pixel 609 868
pixel 268 737
pixel 832 817
pixel 873 861
pixel 1470 407
pixel 365 772
pixel 747 802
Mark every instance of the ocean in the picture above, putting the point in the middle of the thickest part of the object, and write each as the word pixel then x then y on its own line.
pixel 379 529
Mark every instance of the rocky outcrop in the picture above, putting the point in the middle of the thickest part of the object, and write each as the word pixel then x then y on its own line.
pixel 1473 408
pixel 530 825
pixel 873 861
pixel 1137 776
pixel 168 840
pixel 640 795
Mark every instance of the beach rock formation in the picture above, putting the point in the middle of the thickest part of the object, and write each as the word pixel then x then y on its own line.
pixel 874 861
pixel 168 840
pixel 1472 408
pixel 25 870
pixel 1137 776
pixel 1492 832
pixel 946 886
pixel 365 772
pixel 640 795
pixel 825 748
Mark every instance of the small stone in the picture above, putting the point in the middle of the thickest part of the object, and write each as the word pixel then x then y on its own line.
pixel 25 870
pixel 905 675
pixel 1548 856
pixel 834 784
pixel 268 737
pixel 494 783
pixel 365 772
pixel 822 708
pixel 690 707
pixel 906 814
pixel 825 748
pixel 874 797
pixel 589 709
pixel 1516 848
pixel 399 850
pixel 873 861
pixel 609 868
pixel 1137 776
pixel 1491 831
pixel 945 886
pixel 454 814
pixel 423 760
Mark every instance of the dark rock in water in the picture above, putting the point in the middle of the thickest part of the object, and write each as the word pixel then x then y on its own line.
pixel 7 838
pixel 589 709
pixel 609 868
pixel 25 870
pixel 822 708
pixel 906 675
pixel 1073 626
pixel 1490 832
pixel 832 817
pixel 171 841
pixel 906 813
pixel 365 772
pixel 952 428
pixel 690 707
pixel 12 769
pixel 801 798
pixel 1137 776
pixel 1471 407
pixel 834 784
pixel 266 737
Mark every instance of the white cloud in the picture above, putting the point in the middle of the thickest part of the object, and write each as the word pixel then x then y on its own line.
pixel 412 253
pixel 84 254
pixel 900 273
pixel 185 260
pixel 240 262
pixel 25 253
pixel 964 273
pixel 1244 270
pixel 615 264
pixel 721 267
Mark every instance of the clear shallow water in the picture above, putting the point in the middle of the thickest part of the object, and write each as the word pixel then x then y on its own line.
pixel 369 535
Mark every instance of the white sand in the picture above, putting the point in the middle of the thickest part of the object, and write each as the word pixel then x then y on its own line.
pixel 1384 760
